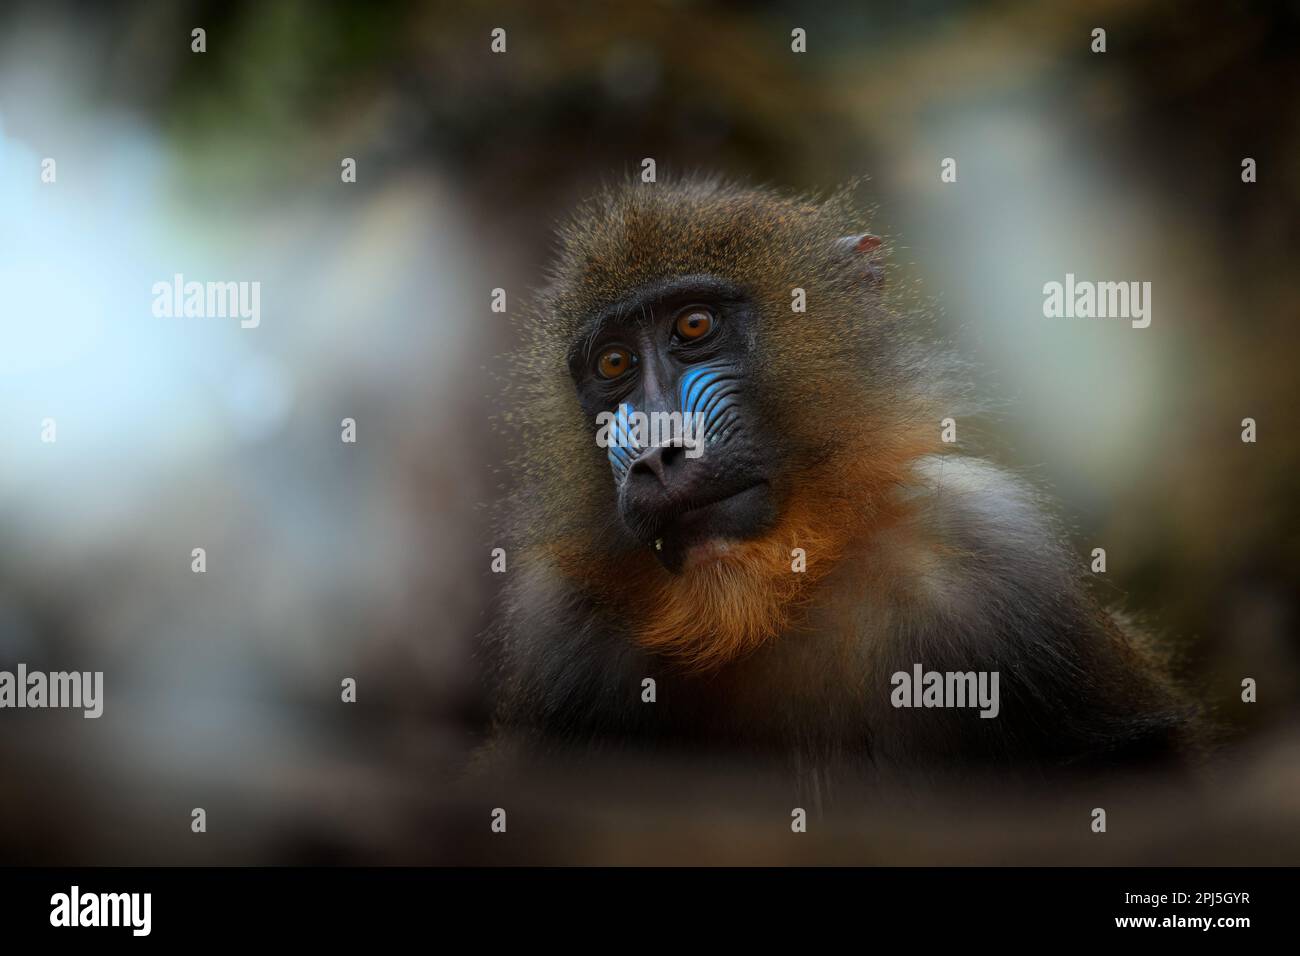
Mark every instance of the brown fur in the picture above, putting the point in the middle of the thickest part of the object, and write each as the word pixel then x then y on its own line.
pixel 912 557
pixel 724 609
pixel 852 454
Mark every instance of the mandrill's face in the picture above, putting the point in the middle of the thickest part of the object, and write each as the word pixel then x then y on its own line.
pixel 662 376
pixel 733 361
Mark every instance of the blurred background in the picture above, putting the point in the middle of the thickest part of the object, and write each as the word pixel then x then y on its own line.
pixel 327 560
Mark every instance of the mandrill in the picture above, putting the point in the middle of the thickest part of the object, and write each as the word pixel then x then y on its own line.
pixel 815 546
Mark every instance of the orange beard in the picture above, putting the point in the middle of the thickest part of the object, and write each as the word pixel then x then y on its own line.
pixel 722 609
pixel 728 606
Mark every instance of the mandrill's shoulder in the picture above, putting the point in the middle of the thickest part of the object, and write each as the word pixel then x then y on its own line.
pixel 987 520
pixel 978 557
pixel 973 498
pixel 983 578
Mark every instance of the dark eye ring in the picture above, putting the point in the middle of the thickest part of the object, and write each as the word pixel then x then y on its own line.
pixel 615 361
pixel 694 323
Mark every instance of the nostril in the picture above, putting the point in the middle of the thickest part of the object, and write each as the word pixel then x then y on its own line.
pixel 657 462
pixel 649 464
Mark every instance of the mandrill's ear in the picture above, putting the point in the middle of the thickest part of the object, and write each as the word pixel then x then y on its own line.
pixel 864 249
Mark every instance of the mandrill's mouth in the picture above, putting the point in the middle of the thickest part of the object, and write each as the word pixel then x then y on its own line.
pixel 707 531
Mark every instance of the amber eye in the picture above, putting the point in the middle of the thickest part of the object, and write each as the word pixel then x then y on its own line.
pixel 614 362
pixel 694 323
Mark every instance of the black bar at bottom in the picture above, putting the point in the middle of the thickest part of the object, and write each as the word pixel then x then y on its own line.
pixel 329 905
pixel 333 905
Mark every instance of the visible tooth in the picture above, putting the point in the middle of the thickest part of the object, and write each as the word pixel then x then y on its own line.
pixel 659 544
